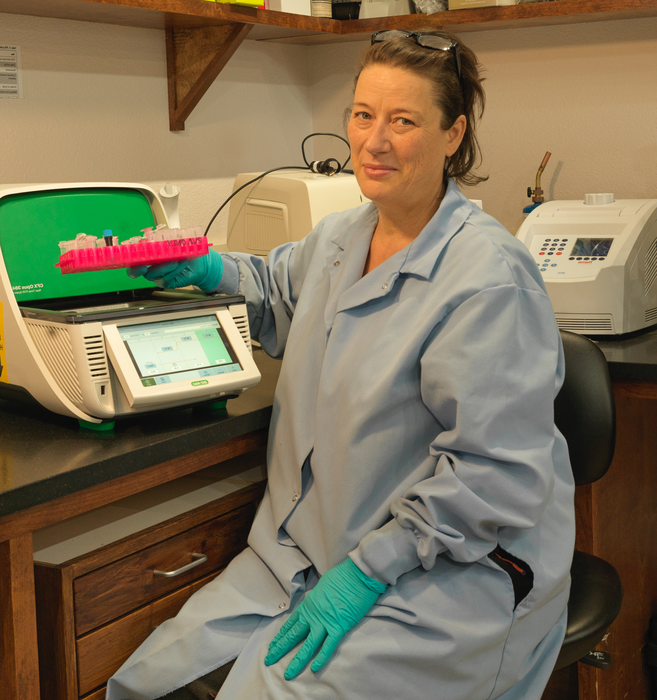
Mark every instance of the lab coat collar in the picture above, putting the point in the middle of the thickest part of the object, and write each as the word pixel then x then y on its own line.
pixel 418 258
pixel 423 253
pixel 362 224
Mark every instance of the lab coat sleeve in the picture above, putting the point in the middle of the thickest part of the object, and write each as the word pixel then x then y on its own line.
pixel 271 287
pixel 489 373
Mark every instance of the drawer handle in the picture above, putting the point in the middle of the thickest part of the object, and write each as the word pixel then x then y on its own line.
pixel 198 560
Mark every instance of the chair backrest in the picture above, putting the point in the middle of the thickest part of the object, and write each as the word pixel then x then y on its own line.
pixel 584 410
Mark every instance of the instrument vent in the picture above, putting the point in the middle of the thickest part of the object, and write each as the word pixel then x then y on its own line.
pixel 54 346
pixel 651 315
pixel 650 266
pixel 94 347
pixel 265 225
pixel 601 323
pixel 242 323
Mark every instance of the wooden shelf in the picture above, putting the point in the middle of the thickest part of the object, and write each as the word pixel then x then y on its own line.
pixel 513 16
pixel 189 14
pixel 202 36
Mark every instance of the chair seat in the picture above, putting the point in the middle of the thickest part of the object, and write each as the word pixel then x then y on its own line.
pixel 595 600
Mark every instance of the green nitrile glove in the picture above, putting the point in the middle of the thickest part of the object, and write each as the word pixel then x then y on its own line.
pixel 204 272
pixel 342 597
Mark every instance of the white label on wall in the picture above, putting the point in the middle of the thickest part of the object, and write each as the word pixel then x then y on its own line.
pixel 11 81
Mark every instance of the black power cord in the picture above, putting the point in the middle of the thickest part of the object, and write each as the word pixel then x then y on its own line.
pixel 246 184
pixel 324 167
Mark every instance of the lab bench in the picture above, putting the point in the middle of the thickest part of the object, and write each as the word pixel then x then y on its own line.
pixel 102 512
pixel 90 594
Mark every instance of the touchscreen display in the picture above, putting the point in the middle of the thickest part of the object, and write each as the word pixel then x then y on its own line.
pixel 181 350
pixel 592 247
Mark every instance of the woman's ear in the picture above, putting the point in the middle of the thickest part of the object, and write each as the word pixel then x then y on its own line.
pixel 455 135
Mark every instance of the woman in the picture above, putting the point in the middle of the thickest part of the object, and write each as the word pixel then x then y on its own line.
pixel 416 535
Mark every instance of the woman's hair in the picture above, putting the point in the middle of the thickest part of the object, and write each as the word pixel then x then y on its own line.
pixel 452 97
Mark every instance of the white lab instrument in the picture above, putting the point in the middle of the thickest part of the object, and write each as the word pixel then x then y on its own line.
pixel 598 259
pixel 100 345
pixel 285 206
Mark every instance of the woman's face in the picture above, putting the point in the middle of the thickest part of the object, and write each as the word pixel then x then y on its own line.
pixel 398 146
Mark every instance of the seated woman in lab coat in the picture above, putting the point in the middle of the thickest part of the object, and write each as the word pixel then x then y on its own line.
pixel 416 535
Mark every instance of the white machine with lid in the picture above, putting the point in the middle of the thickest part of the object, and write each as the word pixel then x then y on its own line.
pixel 598 259
pixel 285 206
pixel 99 345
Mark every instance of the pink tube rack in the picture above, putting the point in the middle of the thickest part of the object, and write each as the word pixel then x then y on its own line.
pixel 143 253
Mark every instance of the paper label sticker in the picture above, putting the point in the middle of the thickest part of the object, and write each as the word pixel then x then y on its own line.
pixel 11 77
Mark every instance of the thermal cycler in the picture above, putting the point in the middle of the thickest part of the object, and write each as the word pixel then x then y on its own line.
pixel 598 259
pixel 100 345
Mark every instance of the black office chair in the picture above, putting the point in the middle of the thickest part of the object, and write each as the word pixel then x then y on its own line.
pixel 584 412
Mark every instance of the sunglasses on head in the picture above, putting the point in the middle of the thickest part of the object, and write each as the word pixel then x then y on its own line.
pixel 428 41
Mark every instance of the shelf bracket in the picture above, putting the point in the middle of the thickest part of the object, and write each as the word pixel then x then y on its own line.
pixel 195 57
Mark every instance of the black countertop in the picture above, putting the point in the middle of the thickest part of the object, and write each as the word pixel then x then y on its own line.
pixel 631 358
pixel 44 456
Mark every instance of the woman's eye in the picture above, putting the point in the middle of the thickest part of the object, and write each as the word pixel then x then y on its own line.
pixel 405 122
pixel 363 115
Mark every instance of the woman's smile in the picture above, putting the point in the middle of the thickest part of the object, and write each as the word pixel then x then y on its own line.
pixel 377 170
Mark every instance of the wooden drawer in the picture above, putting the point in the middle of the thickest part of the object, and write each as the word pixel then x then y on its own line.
pixel 120 638
pixel 97 595
pixel 97 695
pixel 114 590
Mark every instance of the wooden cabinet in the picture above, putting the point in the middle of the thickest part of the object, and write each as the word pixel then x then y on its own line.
pixel 95 609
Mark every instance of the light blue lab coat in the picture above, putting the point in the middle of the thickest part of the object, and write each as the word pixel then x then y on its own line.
pixel 413 431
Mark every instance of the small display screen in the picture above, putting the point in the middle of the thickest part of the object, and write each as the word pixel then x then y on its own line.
pixel 592 247
pixel 180 350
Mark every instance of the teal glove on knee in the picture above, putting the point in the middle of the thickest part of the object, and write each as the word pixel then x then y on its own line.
pixel 204 272
pixel 342 597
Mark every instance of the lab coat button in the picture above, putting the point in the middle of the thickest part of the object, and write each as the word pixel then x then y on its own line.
pixel 294 498
pixel 385 286
pixel 282 606
pixel 336 263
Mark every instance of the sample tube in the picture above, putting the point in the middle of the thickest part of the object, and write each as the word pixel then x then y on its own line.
pixel 107 235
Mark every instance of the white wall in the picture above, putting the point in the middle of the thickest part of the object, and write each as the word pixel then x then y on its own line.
pixel 585 92
pixel 95 109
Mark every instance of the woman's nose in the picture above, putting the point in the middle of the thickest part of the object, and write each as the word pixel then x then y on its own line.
pixel 377 139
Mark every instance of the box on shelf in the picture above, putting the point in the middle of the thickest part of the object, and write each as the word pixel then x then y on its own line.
pixel 248 3
pixel 467 4
pixel 384 8
pixel 296 7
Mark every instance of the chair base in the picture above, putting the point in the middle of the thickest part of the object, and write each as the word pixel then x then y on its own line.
pixel 596 594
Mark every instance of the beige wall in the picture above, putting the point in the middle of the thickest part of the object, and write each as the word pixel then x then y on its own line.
pixel 95 109
pixel 585 92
